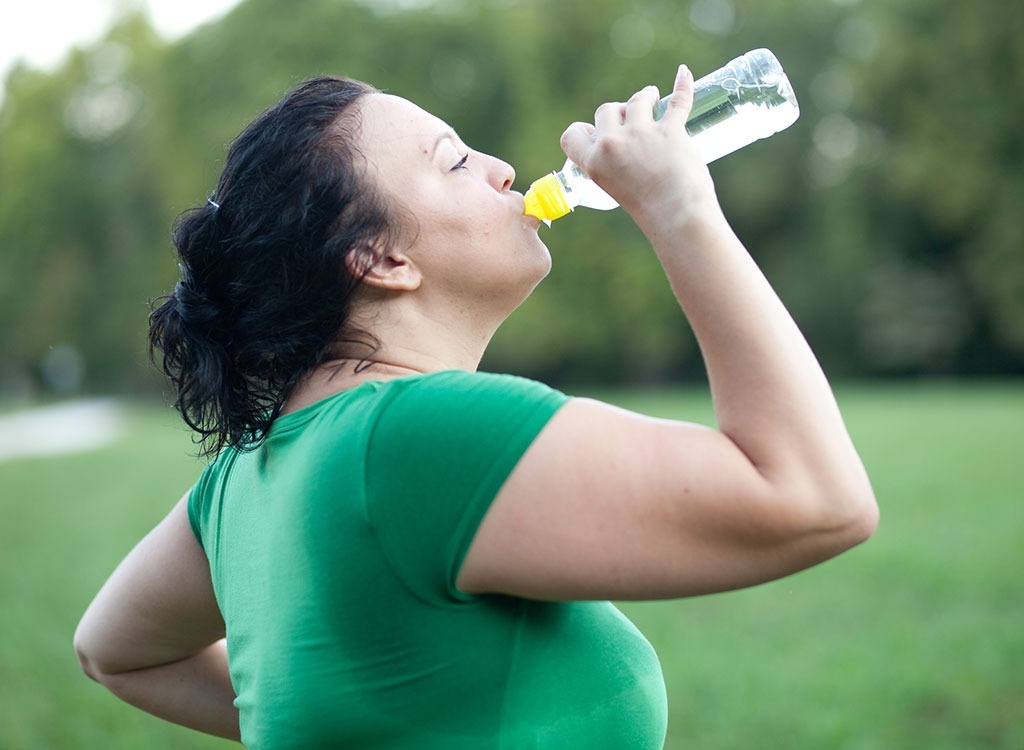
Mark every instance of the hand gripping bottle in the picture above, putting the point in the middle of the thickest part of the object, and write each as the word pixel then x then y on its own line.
pixel 748 99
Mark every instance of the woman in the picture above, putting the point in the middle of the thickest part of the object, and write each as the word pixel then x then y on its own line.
pixel 397 551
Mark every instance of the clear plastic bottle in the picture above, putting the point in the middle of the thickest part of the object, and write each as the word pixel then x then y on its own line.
pixel 748 99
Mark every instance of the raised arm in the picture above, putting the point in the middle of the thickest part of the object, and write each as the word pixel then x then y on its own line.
pixel 154 634
pixel 610 504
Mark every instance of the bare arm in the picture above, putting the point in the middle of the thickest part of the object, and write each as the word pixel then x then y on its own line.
pixel 154 634
pixel 609 504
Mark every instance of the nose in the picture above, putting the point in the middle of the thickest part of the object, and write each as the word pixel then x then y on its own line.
pixel 502 175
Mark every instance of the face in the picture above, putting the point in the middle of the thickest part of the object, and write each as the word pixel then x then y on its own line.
pixel 462 225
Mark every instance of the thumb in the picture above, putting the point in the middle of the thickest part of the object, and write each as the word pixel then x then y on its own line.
pixel 681 101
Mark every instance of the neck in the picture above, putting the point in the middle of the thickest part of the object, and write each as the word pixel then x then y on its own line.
pixel 421 344
pixel 420 338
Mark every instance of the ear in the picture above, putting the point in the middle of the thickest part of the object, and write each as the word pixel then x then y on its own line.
pixel 391 270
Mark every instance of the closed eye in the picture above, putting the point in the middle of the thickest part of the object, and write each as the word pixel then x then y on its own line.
pixel 462 163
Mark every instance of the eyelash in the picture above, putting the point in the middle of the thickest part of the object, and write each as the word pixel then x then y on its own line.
pixel 462 163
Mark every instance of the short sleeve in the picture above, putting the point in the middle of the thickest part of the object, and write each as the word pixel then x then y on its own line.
pixel 200 500
pixel 196 506
pixel 441 450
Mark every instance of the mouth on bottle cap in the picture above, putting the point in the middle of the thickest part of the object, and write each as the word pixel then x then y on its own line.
pixel 546 200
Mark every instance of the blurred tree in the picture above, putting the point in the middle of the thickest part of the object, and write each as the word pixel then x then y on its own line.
pixel 80 208
pixel 946 88
pixel 885 216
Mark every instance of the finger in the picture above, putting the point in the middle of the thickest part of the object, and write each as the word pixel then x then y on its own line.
pixel 681 101
pixel 576 139
pixel 610 114
pixel 641 104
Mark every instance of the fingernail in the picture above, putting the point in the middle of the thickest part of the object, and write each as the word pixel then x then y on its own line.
pixel 683 74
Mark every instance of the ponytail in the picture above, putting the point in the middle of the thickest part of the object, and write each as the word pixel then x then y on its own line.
pixel 265 286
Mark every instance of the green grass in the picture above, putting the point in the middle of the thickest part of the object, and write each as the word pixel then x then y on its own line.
pixel 65 523
pixel 914 640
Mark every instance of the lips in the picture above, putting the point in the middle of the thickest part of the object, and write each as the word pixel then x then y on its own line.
pixel 519 202
pixel 521 208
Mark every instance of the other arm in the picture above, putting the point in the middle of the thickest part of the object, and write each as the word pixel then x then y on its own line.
pixel 154 634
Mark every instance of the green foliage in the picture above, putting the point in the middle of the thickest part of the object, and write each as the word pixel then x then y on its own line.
pixel 886 216
pixel 912 640
pixel 951 75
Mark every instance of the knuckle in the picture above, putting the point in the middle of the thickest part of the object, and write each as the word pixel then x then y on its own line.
pixel 574 132
pixel 645 93
pixel 610 147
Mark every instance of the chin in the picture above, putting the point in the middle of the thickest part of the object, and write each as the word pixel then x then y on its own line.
pixel 544 259
pixel 525 284
pixel 542 271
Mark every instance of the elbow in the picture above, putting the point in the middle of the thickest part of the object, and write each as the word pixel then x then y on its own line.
pixel 859 506
pixel 86 661
pixel 868 517
pixel 860 520
pixel 851 515
pixel 828 517
pixel 86 665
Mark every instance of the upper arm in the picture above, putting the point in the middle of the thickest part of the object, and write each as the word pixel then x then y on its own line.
pixel 157 607
pixel 608 504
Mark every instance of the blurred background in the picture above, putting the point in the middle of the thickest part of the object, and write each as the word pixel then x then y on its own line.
pixel 890 217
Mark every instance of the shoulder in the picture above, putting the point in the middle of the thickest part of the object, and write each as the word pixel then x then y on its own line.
pixel 462 382
pixel 460 414
pixel 441 448
pixel 461 394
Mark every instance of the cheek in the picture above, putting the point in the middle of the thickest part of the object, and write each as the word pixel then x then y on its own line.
pixel 468 223
pixel 471 219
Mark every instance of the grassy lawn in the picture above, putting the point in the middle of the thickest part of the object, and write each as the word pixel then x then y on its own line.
pixel 915 640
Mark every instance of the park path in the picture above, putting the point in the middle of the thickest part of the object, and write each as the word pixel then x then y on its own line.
pixel 68 427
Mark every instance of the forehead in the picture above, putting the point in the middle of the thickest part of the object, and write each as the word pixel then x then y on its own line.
pixel 392 124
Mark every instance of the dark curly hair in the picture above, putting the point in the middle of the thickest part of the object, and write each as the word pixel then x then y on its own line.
pixel 268 265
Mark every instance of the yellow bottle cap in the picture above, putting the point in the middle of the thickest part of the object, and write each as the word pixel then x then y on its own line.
pixel 546 200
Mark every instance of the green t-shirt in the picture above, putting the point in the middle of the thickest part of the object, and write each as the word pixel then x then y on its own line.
pixel 334 549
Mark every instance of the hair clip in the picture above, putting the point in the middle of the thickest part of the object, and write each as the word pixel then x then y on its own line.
pixel 213 203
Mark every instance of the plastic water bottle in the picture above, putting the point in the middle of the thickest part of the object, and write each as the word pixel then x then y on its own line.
pixel 748 99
